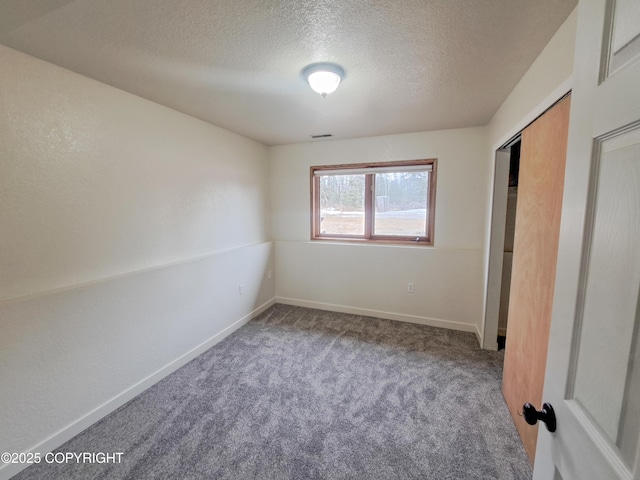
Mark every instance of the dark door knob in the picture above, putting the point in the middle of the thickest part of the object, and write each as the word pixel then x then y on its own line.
pixel 546 415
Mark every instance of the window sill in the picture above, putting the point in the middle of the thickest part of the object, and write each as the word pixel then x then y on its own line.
pixel 365 241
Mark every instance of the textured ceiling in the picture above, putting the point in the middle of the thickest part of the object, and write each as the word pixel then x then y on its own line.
pixel 411 65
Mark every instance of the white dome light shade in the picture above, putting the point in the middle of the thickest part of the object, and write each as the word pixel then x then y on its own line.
pixel 323 78
pixel 324 82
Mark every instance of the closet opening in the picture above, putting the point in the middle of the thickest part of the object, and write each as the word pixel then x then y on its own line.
pixel 510 222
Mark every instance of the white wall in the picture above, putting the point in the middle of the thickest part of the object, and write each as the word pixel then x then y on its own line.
pixel 548 79
pixel 372 279
pixel 126 230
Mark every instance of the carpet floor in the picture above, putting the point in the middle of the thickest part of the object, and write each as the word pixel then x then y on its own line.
pixel 306 394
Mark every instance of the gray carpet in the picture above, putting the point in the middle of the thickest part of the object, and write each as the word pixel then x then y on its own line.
pixel 307 394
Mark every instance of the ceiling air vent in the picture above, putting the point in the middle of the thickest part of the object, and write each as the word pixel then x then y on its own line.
pixel 322 136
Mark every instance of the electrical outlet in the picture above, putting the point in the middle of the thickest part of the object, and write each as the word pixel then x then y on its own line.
pixel 411 288
pixel 269 274
pixel 241 289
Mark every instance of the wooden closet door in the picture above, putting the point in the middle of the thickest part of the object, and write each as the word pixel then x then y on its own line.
pixel 535 251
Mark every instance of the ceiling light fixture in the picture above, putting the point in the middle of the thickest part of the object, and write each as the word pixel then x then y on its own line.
pixel 323 78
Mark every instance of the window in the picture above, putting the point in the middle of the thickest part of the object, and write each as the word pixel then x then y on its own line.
pixel 392 202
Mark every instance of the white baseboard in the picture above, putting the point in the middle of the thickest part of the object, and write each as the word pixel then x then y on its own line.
pixel 476 330
pixel 432 322
pixel 70 431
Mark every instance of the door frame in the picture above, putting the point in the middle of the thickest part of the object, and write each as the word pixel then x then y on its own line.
pixel 495 238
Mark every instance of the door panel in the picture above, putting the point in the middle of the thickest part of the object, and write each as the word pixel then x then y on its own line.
pixel 540 185
pixel 593 365
pixel 611 282
pixel 625 42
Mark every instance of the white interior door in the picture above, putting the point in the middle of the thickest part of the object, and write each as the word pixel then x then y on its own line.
pixel 593 366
